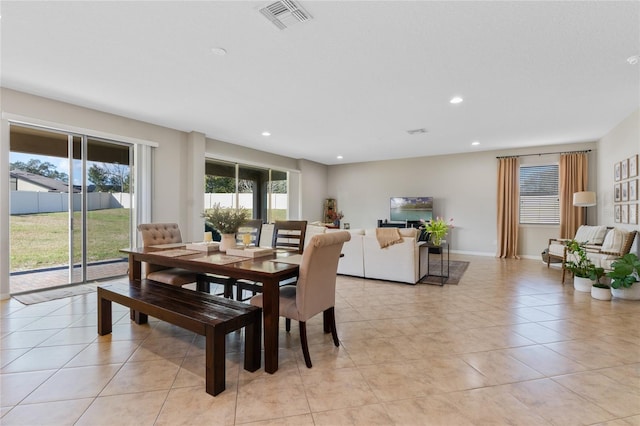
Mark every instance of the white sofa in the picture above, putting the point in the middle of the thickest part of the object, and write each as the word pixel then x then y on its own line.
pixel 400 262
pixel 363 256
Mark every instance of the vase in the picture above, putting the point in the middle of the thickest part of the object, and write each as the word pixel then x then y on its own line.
pixel 600 293
pixel 436 240
pixel 336 223
pixel 228 241
pixel 631 293
pixel 582 284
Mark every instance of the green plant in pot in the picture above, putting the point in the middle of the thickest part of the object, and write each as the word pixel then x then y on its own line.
pixel 579 265
pixel 625 271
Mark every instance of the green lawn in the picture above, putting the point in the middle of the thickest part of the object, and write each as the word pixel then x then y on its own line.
pixel 41 240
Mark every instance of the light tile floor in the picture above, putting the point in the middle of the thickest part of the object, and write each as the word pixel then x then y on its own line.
pixel 508 345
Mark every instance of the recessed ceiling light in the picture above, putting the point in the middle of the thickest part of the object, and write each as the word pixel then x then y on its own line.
pixel 456 100
pixel 633 59
pixel 339 157
pixel 474 143
pixel 265 133
pixel 218 51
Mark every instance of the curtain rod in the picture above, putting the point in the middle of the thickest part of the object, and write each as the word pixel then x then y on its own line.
pixel 546 153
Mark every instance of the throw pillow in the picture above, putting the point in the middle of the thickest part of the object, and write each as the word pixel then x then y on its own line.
pixel 591 234
pixel 614 240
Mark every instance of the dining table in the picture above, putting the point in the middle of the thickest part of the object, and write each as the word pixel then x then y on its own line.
pixel 270 270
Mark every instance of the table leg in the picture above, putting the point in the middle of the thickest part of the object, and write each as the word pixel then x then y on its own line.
pixel 135 274
pixel 271 311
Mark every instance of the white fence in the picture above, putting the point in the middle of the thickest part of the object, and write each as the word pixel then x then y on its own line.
pixel 29 202
pixel 278 201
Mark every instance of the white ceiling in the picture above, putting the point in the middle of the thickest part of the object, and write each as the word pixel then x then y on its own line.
pixel 351 81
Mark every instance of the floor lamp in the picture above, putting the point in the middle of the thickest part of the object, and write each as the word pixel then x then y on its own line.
pixel 584 199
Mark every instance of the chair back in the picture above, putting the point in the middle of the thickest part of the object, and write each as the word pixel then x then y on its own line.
pixel 289 234
pixel 252 227
pixel 316 287
pixel 159 233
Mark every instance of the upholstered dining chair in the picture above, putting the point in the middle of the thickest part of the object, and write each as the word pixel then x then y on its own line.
pixel 315 290
pixel 165 233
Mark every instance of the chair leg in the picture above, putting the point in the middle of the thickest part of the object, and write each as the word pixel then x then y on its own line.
pixel 330 318
pixel 202 284
pixel 287 324
pixel 305 345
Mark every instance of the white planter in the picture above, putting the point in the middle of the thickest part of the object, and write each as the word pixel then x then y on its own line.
pixel 227 241
pixel 582 284
pixel 601 293
pixel 631 293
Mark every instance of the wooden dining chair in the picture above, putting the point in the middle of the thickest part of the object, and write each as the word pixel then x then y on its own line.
pixel 165 233
pixel 315 289
pixel 288 234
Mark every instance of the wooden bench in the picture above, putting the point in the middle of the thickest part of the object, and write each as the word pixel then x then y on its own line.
pixel 199 312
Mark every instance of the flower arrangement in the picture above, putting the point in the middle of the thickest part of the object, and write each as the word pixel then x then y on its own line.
pixel 438 228
pixel 334 215
pixel 225 220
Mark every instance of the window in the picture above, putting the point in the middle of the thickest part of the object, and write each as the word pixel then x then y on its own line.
pixel 539 202
pixel 262 191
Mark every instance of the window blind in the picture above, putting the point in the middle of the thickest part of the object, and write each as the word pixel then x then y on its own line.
pixel 539 202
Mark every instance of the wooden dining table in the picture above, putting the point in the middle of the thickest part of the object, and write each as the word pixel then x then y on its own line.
pixel 269 270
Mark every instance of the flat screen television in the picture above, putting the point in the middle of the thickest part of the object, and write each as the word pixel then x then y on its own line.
pixel 411 209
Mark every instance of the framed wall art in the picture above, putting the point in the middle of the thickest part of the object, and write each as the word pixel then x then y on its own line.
pixel 616 212
pixel 616 172
pixel 633 190
pixel 633 166
pixel 625 191
pixel 617 195
pixel 624 213
pixel 633 214
pixel 624 169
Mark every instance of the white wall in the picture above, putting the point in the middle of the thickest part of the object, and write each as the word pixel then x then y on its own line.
pixel 172 198
pixel 464 188
pixel 620 143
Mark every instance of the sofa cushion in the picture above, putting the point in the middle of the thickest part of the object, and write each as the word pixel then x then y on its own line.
pixel 614 240
pixel 409 232
pixel 591 234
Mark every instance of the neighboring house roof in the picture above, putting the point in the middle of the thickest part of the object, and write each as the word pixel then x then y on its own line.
pixel 51 185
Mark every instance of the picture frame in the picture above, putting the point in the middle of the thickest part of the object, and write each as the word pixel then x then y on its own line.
pixel 624 213
pixel 616 212
pixel 617 195
pixel 616 172
pixel 633 166
pixel 633 190
pixel 633 214
pixel 625 191
pixel 624 169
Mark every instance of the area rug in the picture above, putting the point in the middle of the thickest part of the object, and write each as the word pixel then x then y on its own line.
pixel 456 271
pixel 58 293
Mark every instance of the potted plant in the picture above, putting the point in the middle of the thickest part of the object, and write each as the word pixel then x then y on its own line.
pixel 580 266
pixel 625 272
pixel 226 220
pixel 599 290
pixel 437 229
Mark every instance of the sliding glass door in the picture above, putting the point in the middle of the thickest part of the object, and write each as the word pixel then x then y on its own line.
pixel 71 198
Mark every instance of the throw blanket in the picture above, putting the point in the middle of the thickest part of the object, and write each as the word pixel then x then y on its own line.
pixel 388 236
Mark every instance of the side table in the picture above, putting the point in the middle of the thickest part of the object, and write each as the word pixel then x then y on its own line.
pixel 442 251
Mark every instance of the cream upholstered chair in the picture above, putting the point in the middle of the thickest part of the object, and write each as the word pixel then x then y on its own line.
pixel 315 290
pixel 165 233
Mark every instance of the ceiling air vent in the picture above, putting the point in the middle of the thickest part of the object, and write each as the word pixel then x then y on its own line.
pixel 417 131
pixel 285 13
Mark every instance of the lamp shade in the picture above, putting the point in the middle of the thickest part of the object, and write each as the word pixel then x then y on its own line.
pixel 584 199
